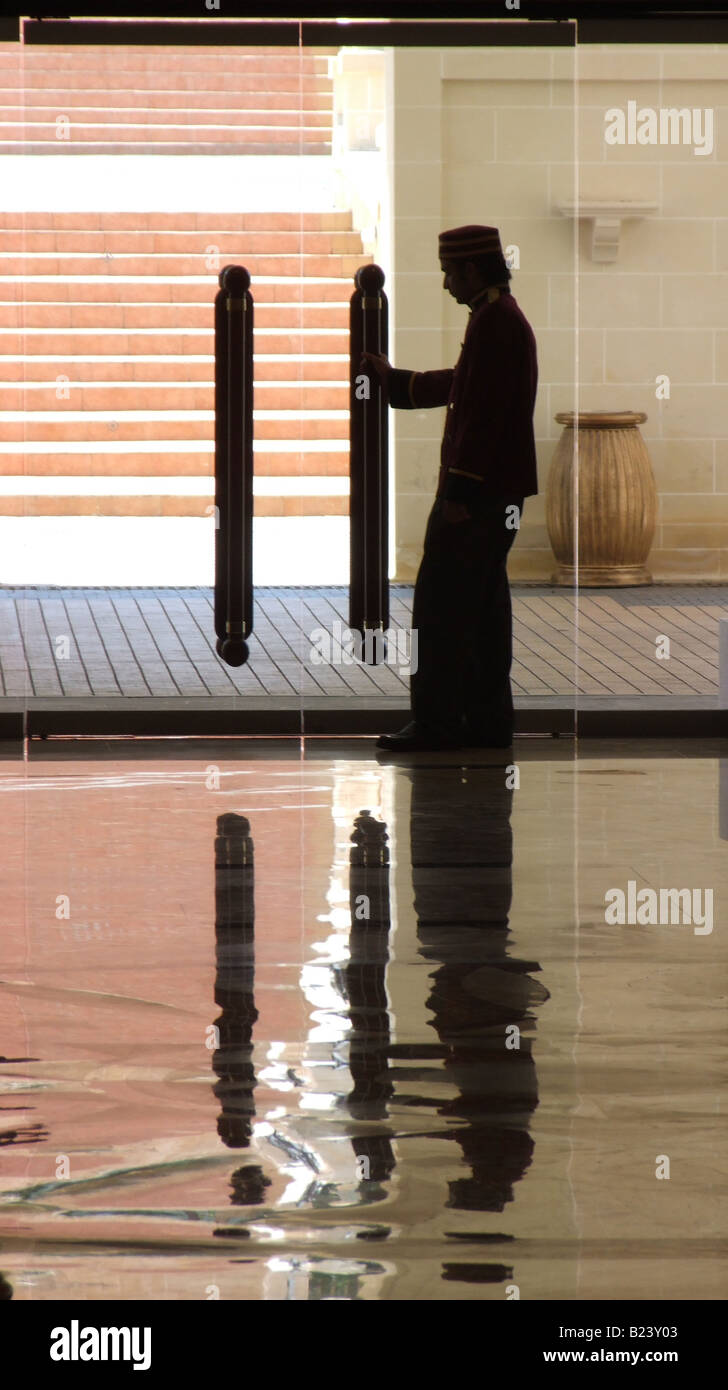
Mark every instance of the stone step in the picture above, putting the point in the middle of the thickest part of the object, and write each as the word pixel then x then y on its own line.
pixel 304 266
pixel 178 221
pixel 153 63
pixel 127 428
pixel 168 505
pixel 114 82
pixel 98 146
pixel 56 99
pixel 286 318
pixel 135 395
pixel 200 292
pixel 313 463
pixel 231 244
pixel 113 79
pixel 246 118
pixel 93 369
pixel 80 342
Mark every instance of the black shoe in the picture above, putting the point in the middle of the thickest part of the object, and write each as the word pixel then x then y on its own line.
pixel 414 739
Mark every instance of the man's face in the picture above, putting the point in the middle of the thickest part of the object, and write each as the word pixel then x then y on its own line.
pixel 456 281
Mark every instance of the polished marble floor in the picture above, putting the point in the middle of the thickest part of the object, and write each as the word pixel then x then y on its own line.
pixel 289 1022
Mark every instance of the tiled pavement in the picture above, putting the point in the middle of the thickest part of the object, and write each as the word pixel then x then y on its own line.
pixel 126 652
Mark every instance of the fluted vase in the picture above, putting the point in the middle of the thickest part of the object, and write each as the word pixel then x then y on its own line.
pixel 617 500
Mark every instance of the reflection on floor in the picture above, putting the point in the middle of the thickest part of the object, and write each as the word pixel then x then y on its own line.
pixel 284 1027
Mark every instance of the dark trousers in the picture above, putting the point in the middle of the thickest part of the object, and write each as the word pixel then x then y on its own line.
pixel 462 616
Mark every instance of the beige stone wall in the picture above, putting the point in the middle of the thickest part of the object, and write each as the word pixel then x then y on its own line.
pixel 503 137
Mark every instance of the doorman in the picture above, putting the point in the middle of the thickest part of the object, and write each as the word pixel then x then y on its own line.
pixel 461 692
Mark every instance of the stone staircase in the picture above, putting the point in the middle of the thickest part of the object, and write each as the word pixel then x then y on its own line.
pixel 152 100
pixel 106 319
pixel 106 359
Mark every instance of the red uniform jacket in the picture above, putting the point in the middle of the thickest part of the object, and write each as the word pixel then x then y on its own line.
pixel 488 449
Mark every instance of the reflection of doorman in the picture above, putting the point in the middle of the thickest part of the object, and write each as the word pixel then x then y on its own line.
pixel 482 997
pixel 461 692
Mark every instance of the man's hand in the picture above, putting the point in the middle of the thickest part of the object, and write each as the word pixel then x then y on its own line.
pixel 454 512
pixel 380 366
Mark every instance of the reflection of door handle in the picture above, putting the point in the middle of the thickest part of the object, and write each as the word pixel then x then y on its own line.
pixel 364 979
pixel 234 979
